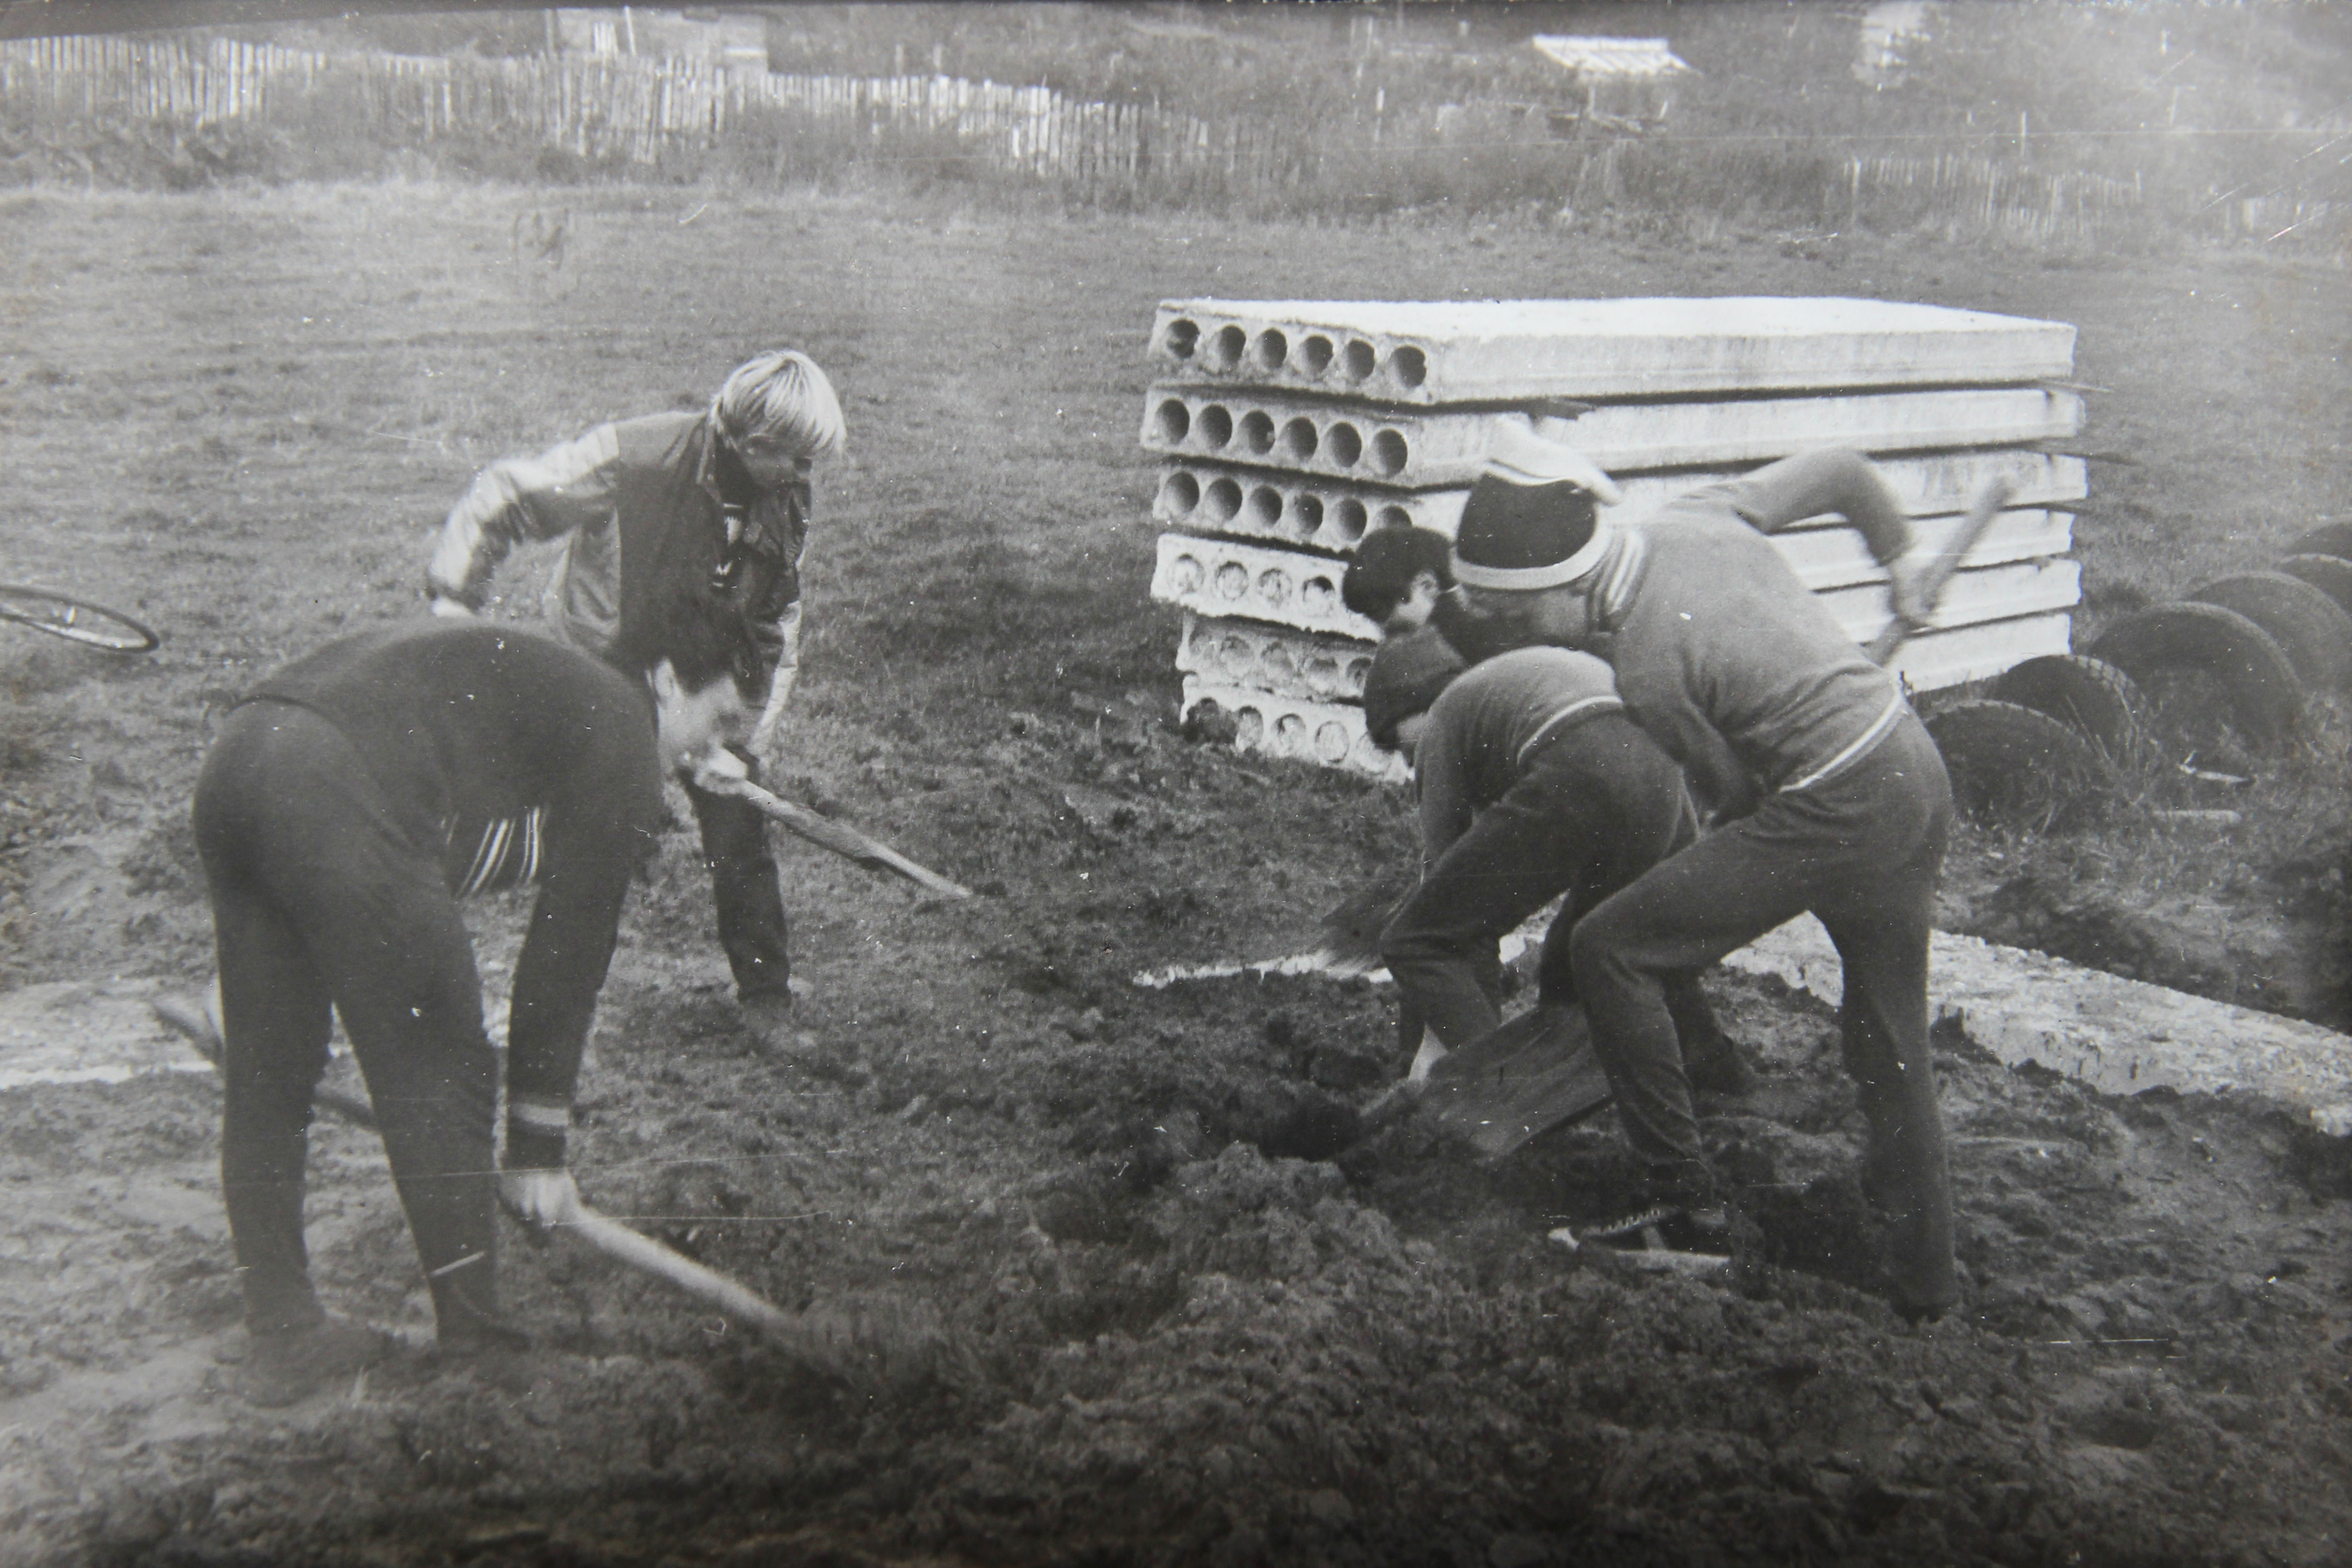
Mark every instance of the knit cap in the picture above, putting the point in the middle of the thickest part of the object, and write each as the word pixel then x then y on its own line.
pixel 1407 674
pixel 1531 520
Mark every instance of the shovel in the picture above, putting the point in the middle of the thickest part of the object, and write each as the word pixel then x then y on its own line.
pixel 1983 507
pixel 841 1342
pixel 848 842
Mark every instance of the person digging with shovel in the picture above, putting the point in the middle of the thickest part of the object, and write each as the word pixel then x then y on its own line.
pixel 722 498
pixel 1532 784
pixel 350 801
pixel 1826 794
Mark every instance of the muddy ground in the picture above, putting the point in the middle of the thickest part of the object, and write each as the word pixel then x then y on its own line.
pixel 1115 1317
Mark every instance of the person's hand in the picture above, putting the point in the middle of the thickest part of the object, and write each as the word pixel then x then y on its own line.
pixel 715 769
pixel 444 605
pixel 539 1198
pixel 1906 586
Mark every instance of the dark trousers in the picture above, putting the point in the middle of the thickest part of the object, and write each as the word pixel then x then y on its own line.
pixel 745 890
pixel 322 898
pixel 1593 809
pixel 1862 852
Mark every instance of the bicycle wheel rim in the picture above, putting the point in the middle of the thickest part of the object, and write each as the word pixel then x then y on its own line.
pixel 76 620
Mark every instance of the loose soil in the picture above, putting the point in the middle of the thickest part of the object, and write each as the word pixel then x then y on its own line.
pixel 1163 1333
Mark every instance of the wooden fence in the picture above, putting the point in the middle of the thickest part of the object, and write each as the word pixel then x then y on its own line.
pixel 636 108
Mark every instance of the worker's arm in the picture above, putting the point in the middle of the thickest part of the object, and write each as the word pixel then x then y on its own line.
pixel 1837 479
pixel 516 501
pixel 1447 812
pixel 780 684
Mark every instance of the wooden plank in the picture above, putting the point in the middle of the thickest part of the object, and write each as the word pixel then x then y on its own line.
pixel 1327 733
pixel 1267 659
pixel 1451 352
pixel 1297 434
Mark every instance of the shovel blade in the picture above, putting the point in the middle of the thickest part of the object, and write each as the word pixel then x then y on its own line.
pixel 1536 1072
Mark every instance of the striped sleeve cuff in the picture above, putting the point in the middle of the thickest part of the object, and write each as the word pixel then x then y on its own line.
pixel 536 1126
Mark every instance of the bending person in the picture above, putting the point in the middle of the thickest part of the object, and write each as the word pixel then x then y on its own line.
pixel 350 801
pixel 1827 794
pixel 1533 784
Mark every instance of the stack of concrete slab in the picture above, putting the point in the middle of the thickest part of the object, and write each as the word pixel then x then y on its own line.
pixel 1287 430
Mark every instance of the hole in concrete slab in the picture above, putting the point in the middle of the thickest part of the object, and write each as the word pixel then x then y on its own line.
pixel 1272 349
pixel 1183 335
pixel 1360 359
pixel 1239 656
pixel 1347 443
pixel 1349 517
pixel 1221 501
pixel 1318 596
pixel 1306 514
pixel 1315 354
pixel 1180 492
pixel 1392 517
pixel 1274 587
pixel 1249 729
pixel 1322 673
pixel 1171 420
pixel 1225 350
pixel 1359 672
pixel 1410 366
pixel 1265 509
pixel 1290 734
pixel 1299 439
pixel 1216 424
pixel 1391 452
pixel 1232 580
pixel 1332 741
pixel 1186 573
pixel 1257 431
pixel 1279 662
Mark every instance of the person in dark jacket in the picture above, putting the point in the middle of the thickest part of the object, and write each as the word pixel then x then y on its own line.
pixel 1532 784
pixel 1826 792
pixel 349 802
pixel 718 500
pixel 1402 578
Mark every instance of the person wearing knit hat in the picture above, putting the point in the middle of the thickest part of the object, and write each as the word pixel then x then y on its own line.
pixel 1827 794
pixel 1532 784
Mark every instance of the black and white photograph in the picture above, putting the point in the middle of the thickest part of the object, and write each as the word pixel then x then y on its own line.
pixel 1488 784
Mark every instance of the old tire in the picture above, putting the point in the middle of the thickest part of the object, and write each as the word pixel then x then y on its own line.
pixel 2331 574
pixel 2327 539
pixel 2260 695
pixel 2013 765
pixel 2314 630
pixel 2089 696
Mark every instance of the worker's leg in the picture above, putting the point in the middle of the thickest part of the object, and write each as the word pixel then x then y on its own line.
pixel 746 891
pixel 275 1020
pixel 1516 858
pixel 1882 924
pixel 378 923
pixel 1680 915
pixel 412 1003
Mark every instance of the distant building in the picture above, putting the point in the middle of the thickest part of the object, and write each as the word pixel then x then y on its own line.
pixel 1887 30
pixel 710 35
pixel 1628 83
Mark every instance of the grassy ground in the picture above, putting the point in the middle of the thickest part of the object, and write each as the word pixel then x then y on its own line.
pixel 240 414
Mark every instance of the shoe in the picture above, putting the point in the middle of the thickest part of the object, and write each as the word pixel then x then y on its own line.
pixel 287 1367
pixel 1675 1210
pixel 495 1354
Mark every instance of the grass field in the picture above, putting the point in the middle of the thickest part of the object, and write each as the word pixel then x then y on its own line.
pixel 240 414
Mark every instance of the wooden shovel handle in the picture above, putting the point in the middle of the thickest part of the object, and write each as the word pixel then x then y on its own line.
pixel 1986 505
pixel 831 835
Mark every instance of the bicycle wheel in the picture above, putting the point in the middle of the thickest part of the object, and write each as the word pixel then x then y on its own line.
pixel 93 626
